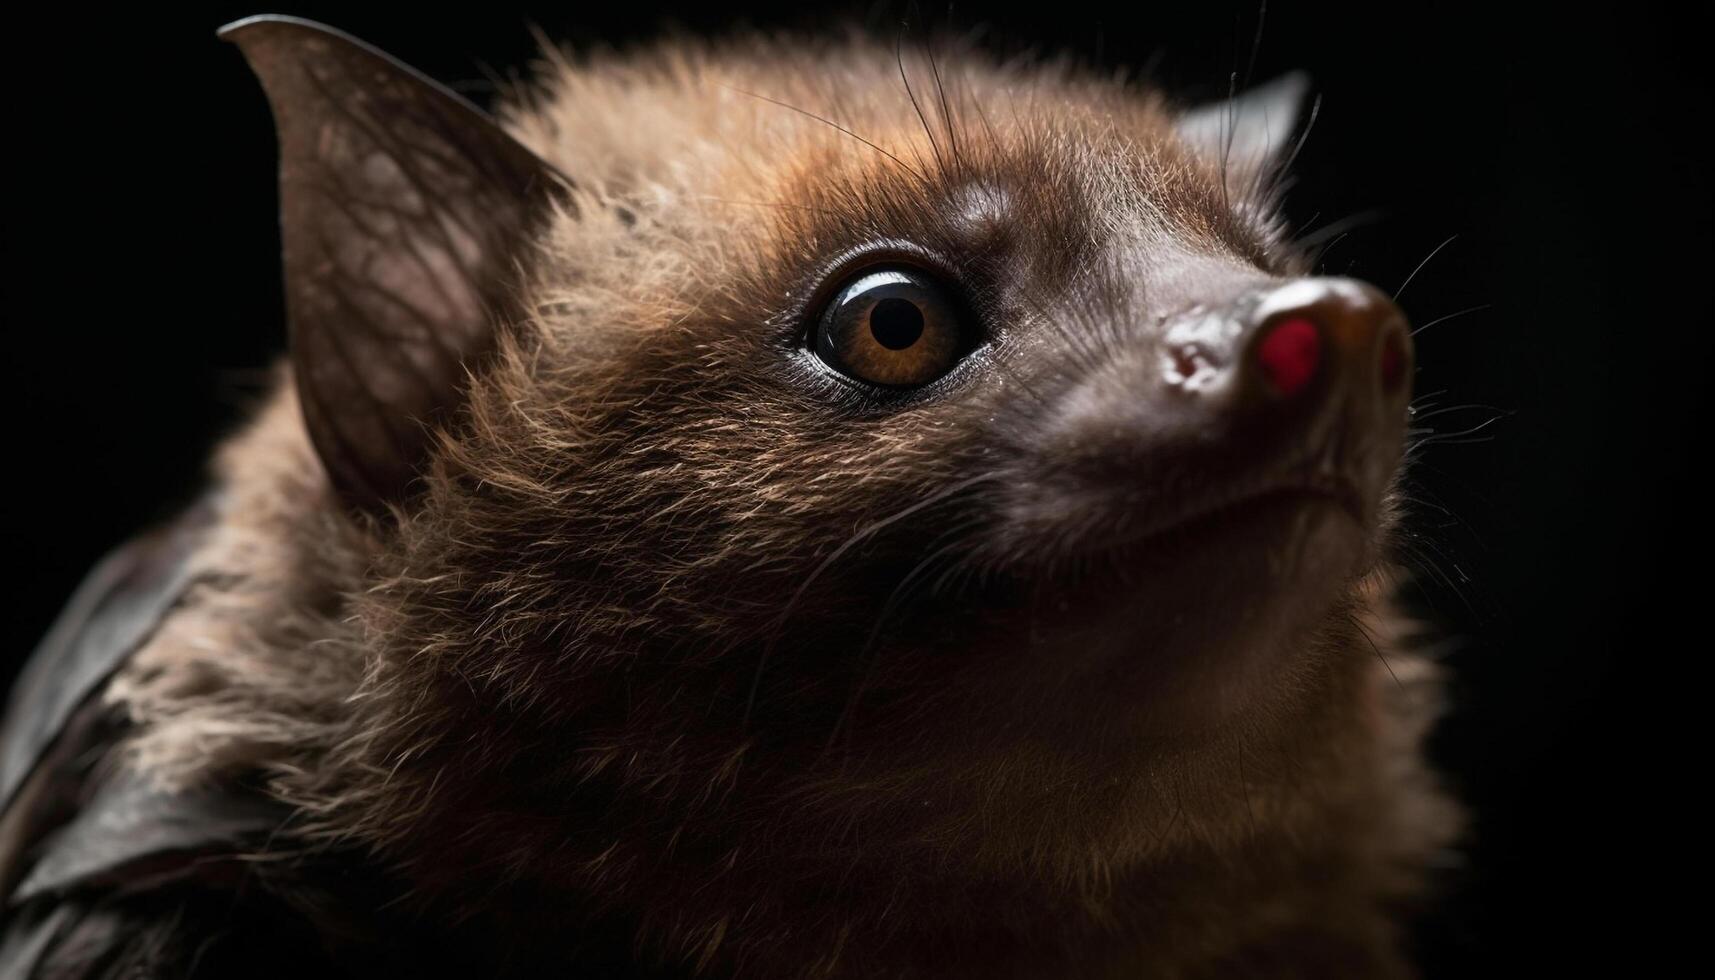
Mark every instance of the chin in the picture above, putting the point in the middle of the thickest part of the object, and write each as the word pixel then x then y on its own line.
pixel 1186 628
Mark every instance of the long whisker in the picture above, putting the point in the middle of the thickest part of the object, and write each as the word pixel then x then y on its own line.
pixel 1420 265
pixel 941 91
pixel 825 120
pixel 1231 123
pixel 1452 316
pixel 1371 640
pixel 1425 416
pixel 1256 42
pixel 1442 437
pixel 899 56
pixel 1303 135
pixel 1311 239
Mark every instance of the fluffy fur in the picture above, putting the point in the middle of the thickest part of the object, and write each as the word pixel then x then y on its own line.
pixel 688 652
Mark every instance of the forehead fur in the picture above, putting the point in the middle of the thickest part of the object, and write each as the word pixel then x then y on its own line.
pixel 750 164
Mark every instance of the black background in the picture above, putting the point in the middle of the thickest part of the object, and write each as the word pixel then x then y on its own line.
pixel 1554 148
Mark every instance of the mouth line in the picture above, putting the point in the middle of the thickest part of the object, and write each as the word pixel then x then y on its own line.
pixel 1330 488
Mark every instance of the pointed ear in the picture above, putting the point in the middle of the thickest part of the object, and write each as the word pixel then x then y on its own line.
pixel 1250 130
pixel 405 213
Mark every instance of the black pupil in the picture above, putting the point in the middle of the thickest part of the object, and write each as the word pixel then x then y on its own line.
pixel 896 323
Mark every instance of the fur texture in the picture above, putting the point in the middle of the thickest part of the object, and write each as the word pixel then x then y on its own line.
pixel 687 646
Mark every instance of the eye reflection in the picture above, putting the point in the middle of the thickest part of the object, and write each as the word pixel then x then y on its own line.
pixel 894 327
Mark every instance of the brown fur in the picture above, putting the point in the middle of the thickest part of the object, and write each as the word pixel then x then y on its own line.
pixel 530 696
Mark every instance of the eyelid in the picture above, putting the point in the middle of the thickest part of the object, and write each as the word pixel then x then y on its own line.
pixel 952 332
pixel 832 278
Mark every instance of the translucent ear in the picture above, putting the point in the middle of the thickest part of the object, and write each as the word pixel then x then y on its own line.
pixel 404 212
pixel 1249 131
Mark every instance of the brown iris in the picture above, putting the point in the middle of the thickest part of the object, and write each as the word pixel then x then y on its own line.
pixel 893 327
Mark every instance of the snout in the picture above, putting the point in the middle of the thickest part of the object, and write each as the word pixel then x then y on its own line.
pixel 1315 359
pixel 1307 379
pixel 1296 387
pixel 1200 490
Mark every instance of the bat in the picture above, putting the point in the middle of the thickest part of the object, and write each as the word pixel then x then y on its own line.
pixel 769 507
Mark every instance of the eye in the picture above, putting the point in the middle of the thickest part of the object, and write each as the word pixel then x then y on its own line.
pixel 893 327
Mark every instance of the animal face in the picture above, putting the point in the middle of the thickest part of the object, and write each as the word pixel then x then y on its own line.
pixel 879 453
pixel 1024 417
pixel 804 509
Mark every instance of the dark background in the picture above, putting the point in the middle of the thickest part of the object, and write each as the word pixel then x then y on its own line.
pixel 142 308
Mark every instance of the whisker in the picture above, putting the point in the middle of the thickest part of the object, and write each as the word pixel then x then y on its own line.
pixel 1449 409
pixel 899 57
pixel 1416 558
pixel 1332 229
pixel 1304 135
pixel 1450 316
pixel 946 109
pixel 825 120
pixel 1323 254
pixel 1443 437
pixel 1371 640
pixel 1256 42
pixel 1420 265
pixel 1231 124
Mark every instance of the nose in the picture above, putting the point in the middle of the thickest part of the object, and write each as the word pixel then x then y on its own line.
pixel 1326 345
pixel 1283 381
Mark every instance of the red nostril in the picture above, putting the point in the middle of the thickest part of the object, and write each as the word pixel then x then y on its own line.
pixel 1393 361
pixel 1290 353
